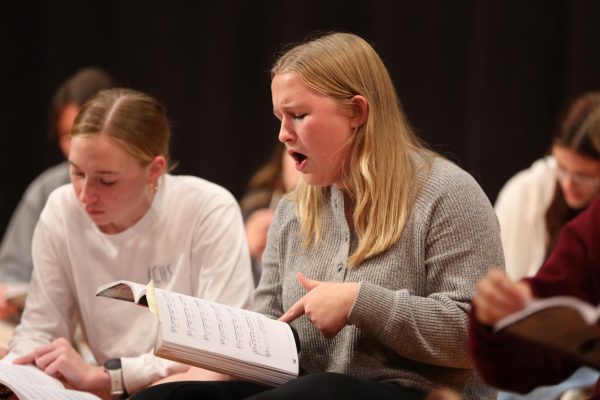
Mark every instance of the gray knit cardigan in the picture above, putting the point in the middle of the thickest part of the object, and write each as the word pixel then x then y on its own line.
pixel 409 321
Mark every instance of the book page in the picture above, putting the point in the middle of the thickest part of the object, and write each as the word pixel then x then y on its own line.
pixel 29 382
pixel 564 323
pixel 588 312
pixel 226 331
pixel 124 290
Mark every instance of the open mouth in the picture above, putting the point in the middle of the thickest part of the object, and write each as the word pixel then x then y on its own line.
pixel 298 157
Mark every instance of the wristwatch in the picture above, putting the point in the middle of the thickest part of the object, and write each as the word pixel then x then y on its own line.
pixel 117 388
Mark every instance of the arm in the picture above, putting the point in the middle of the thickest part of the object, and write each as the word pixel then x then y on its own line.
pixel 572 267
pixel 15 252
pixel 220 272
pixel 509 363
pixel 515 364
pixel 220 259
pixel 45 334
pixel 50 310
pixel 16 263
pixel 459 240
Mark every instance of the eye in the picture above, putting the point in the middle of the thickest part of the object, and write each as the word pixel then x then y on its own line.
pixel 299 116
pixel 107 183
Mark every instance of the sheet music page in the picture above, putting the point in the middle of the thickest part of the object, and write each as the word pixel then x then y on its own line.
pixel 122 290
pixel 28 382
pixel 228 331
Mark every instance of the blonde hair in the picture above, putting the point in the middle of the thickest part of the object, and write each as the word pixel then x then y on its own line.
pixel 381 173
pixel 133 119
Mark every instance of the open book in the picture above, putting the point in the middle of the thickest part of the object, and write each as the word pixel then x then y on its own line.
pixel 214 336
pixel 564 323
pixel 30 383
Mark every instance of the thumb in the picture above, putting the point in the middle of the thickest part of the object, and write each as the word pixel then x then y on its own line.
pixel 308 284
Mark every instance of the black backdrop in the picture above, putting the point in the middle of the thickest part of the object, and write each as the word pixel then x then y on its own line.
pixel 481 80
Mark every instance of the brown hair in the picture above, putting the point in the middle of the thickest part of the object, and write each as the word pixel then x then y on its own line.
pixel 77 89
pixel 133 119
pixel 577 129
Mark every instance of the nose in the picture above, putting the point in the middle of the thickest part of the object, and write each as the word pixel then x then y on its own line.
pixel 87 193
pixel 286 135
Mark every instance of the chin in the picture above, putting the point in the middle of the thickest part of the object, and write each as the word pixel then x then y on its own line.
pixel 577 203
pixel 310 180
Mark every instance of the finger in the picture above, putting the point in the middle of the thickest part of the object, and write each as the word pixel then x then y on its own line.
pixel 308 284
pixel 293 312
pixel 487 313
pixel 45 360
pixel 37 355
pixel 53 369
pixel 507 290
pixel 26 359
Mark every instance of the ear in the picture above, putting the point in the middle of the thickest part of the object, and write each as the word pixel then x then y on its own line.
pixel 157 168
pixel 360 107
pixel 65 145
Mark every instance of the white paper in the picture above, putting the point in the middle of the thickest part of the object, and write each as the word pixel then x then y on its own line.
pixel 30 383
pixel 122 290
pixel 227 333
pixel 589 313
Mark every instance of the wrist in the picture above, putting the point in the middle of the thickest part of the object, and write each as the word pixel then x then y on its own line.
pixel 116 384
pixel 100 380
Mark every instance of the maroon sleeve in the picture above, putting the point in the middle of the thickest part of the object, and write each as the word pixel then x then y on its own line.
pixel 514 364
pixel 572 269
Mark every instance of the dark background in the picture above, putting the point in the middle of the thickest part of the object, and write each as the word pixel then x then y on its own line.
pixel 481 81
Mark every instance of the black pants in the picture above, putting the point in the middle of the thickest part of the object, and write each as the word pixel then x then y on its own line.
pixel 318 386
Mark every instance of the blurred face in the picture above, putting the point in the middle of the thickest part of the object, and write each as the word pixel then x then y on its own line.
pixel 65 122
pixel 578 176
pixel 113 188
pixel 313 128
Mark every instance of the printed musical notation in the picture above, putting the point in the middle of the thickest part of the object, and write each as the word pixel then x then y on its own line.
pixel 209 321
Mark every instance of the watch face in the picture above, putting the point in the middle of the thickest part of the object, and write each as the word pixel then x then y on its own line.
pixel 113 363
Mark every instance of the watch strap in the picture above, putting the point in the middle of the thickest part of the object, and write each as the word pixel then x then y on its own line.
pixel 117 388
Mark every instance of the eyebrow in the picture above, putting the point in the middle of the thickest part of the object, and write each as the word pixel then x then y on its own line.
pixel 100 172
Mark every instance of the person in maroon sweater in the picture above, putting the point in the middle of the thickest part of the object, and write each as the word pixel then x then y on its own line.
pixel 573 269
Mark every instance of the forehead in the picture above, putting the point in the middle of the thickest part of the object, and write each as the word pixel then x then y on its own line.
pixel 98 152
pixel 288 86
pixel 288 90
pixel 576 162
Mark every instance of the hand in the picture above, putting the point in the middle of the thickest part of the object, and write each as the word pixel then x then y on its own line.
pixel 60 360
pixel 497 296
pixel 257 227
pixel 7 308
pixel 326 305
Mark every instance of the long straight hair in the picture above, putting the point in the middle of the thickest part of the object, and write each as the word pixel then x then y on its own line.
pixel 379 172
pixel 578 129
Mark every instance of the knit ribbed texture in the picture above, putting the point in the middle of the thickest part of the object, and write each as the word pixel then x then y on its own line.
pixel 409 321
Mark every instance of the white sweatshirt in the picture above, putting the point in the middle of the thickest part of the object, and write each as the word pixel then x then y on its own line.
pixel 521 208
pixel 191 241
